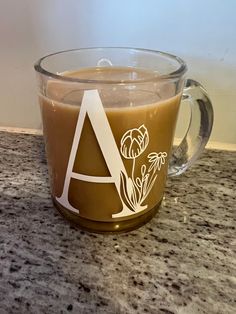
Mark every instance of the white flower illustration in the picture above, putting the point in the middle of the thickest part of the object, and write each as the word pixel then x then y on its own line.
pixel 133 190
pixel 134 142
pixel 156 160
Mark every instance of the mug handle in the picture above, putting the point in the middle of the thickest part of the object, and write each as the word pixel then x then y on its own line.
pixel 199 129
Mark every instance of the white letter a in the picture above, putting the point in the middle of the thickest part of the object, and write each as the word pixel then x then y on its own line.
pixel 92 106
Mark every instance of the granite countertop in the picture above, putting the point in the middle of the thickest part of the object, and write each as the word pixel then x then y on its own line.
pixel 181 262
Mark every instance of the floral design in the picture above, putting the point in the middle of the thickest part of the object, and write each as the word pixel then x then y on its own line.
pixel 156 160
pixel 134 191
pixel 134 142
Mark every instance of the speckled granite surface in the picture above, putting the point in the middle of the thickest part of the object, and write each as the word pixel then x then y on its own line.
pixel 183 261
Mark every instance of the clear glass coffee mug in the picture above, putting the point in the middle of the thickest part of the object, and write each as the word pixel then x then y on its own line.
pixel 109 117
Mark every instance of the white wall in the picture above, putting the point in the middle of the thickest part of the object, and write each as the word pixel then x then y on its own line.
pixel 202 32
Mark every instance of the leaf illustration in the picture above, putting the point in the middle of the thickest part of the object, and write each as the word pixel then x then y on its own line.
pixel 124 193
pixel 151 166
pixel 143 170
pixel 138 181
pixel 134 196
pixel 145 184
pixel 151 185
pixel 129 187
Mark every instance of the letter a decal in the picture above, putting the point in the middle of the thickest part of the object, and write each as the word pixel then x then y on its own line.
pixel 92 106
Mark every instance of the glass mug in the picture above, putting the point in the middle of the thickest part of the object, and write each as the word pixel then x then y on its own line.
pixel 109 117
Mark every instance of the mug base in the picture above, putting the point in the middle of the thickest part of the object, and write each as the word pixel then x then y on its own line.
pixel 106 227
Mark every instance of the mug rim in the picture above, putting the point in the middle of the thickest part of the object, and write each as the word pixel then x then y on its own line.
pixel 172 75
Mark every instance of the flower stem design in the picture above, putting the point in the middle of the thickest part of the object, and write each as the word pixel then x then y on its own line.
pixel 133 190
pixel 133 168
